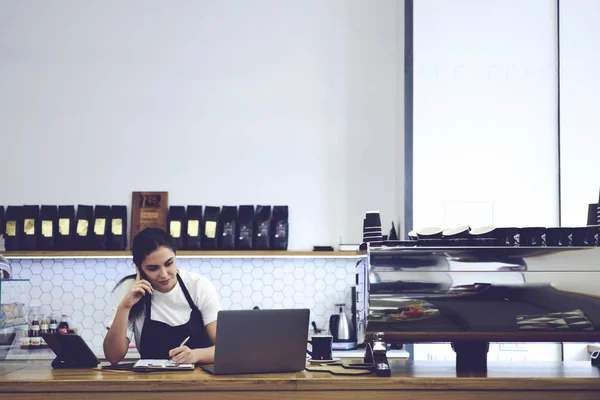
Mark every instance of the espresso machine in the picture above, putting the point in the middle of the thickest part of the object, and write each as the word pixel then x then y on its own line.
pixel 469 296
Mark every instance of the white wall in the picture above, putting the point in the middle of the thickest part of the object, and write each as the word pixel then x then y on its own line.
pixel 229 102
pixel 579 99
pixel 485 121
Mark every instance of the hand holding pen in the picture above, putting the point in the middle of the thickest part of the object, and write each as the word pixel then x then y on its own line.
pixel 180 352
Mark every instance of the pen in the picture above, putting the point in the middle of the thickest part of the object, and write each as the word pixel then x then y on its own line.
pixel 182 343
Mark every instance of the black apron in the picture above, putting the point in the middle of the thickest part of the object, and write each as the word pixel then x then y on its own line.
pixel 158 338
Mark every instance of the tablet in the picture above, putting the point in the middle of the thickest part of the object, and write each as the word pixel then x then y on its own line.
pixel 71 351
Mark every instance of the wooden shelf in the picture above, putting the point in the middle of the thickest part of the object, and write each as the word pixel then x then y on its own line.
pixel 183 253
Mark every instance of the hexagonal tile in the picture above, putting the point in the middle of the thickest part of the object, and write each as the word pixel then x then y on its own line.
pixel 100 304
pixel 99 292
pixel 46 286
pixel 267 291
pixel 309 279
pixel 279 262
pixel 257 286
pixel 341 285
pixel 89 286
pixel 256 299
pixel 47 274
pixel 247 279
pixel 89 273
pixel 258 262
pixel 89 311
pixel 68 274
pixel 237 273
pixel 288 280
pixel 216 262
pixel 67 286
pixel 236 286
pixel 78 292
pixel 26 263
pixel 267 303
pixel 77 315
pixel 278 297
pixel 67 309
pixel 236 297
pixel 278 285
pixel 88 298
pixel 57 291
pixel 247 292
pixel 57 280
pixel 268 279
pixel 215 273
pixel 110 273
pixel 330 280
pixel 309 302
pixel 299 262
pixel 288 302
pixel 298 298
pixel 35 292
pixel 25 273
pixel 36 267
pixel 36 280
pixel 299 273
pixel 299 286
pixel 79 267
pixel 46 298
pixel 309 291
pixel 68 297
pixel 278 273
pixel 226 304
pixel 225 291
pixel 78 280
pixel 257 273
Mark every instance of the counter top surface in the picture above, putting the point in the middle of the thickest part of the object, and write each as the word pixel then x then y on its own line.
pixel 406 375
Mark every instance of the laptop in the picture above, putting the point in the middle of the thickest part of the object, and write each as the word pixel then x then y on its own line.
pixel 259 341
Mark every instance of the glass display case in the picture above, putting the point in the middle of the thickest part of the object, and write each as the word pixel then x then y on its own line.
pixel 471 296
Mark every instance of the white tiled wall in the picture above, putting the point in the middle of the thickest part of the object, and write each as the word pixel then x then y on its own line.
pixel 81 288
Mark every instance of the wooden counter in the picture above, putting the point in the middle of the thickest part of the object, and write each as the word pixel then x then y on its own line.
pixel 410 380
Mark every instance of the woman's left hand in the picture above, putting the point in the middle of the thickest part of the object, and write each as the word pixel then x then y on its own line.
pixel 183 355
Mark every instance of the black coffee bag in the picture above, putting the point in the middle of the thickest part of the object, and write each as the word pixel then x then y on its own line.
pixel 262 228
pixel 99 233
pixel 49 218
pixel 117 233
pixel 193 230
pixel 227 228
pixel 31 228
pixel 279 228
pixel 209 231
pixel 175 222
pixel 13 225
pixel 245 227
pixel 65 236
pixel 83 227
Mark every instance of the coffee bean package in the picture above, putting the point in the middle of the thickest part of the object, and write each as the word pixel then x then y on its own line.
pixel 49 227
pixel 193 230
pixel 209 231
pixel 175 222
pixel 245 227
pixel 65 236
pixel 99 231
pixel 117 232
pixel 227 228
pixel 31 228
pixel 83 227
pixel 262 228
pixel 13 225
pixel 279 228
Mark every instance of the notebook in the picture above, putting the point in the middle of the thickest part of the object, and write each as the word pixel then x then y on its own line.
pixel 260 341
pixel 162 364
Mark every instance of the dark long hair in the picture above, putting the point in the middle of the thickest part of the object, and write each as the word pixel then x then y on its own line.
pixel 145 243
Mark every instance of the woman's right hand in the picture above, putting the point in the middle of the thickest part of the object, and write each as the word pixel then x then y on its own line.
pixel 137 291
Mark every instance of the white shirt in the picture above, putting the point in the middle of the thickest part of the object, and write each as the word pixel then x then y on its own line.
pixel 172 308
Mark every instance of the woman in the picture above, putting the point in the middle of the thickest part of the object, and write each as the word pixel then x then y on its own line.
pixel 160 306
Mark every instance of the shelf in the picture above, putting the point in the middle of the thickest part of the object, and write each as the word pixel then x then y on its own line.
pixel 181 253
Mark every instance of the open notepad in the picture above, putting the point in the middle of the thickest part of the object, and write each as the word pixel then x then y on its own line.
pixel 160 364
